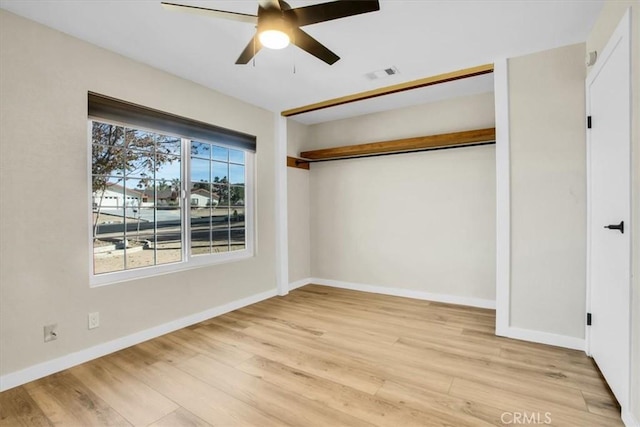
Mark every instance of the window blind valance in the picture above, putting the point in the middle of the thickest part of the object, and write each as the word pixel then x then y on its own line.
pixel 105 107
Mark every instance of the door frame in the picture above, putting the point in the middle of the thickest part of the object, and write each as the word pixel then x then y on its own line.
pixel 622 32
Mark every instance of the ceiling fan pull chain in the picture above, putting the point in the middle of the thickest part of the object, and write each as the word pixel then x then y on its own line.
pixel 293 53
pixel 253 59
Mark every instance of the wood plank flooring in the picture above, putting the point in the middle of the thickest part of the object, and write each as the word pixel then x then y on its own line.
pixel 325 357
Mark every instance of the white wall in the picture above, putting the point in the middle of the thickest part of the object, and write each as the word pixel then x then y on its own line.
pixel 422 222
pixel 44 250
pixel 609 18
pixel 299 233
pixel 548 191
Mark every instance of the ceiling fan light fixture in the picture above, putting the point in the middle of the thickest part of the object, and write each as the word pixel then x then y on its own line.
pixel 273 29
pixel 274 39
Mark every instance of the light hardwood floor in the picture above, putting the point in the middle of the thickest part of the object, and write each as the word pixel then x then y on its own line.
pixel 325 357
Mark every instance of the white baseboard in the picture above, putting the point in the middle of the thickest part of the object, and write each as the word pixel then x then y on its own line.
pixel 299 283
pixel 510 332
pixel 628 419
pixel 40 370
pixel 407 293
pixel 543 338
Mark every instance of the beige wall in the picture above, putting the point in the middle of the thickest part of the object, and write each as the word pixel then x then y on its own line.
pixel 421 222
pixel 44 249
pixel 298 215
pixel 548 191
pixel 608 20
pixel 297 137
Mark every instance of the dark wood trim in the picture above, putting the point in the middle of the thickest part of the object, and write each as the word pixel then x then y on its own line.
pixel 404 145
pixel 294 162
pixel 387 90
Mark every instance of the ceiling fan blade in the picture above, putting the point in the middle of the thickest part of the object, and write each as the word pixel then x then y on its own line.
pixel 284 5
pixel 307 43
pixel 250 51
pixel 322 12
pixel 242 17
pixel 268 4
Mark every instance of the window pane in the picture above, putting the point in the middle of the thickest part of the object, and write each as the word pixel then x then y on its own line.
pixel 168 145
pixel 108 224
pixel 169 243
pixel 140 140
pixel 236 216
pixel 237 210
pixel 106 134
pixel 220 241
pixel 108 232
pixel 139 164
pixel 220 227
pixel 200 234
pixel 106 257
pixel 236 174
pixel 221 194
pixel 140 241
pixel 168 218
pixel 236 195
pixel 236 156
pixel 201 195
pixel 200 217
pixel 148 197
pixel 139 221
pixel 107 160
pixel 168 202
pixel 107 192
pixel 198 149
pixel 135 190
pixel 219 172
pixel 238 241
pixel 200 170
pixel 168 168
pixel 220 154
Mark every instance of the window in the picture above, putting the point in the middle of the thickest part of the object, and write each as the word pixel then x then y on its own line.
pixel 217 214
pixel 162 202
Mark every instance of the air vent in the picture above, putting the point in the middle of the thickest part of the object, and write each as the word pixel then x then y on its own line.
pixel 381 74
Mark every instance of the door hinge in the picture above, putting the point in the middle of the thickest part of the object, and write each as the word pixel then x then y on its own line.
pixel 588 319
pixel 588 122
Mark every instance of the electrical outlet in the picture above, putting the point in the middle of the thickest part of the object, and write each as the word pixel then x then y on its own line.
pixel 50 332
pixel 94 320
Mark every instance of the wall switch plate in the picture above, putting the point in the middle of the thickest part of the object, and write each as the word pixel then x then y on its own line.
pixel 50 332
pixel 94 320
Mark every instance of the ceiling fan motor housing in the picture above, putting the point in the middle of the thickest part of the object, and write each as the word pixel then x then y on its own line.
pixel 273 19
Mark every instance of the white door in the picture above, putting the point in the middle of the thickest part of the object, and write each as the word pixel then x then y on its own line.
pixel 609 180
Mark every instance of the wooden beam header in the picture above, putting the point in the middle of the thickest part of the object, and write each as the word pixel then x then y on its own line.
pixel 401 87
pixel 404 145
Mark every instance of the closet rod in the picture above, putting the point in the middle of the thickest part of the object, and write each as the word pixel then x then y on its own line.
pixel 450 147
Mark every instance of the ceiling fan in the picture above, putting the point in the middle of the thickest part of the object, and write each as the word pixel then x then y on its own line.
pixel 278 24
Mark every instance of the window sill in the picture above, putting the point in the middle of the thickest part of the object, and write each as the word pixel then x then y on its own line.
pixel 105 279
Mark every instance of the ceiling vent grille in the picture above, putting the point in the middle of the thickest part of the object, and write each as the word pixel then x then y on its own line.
pixel 381 74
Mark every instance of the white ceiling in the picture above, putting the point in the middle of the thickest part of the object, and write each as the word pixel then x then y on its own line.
pixel 420 37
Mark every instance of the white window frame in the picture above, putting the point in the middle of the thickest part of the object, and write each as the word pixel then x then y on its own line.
pixel 188 261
